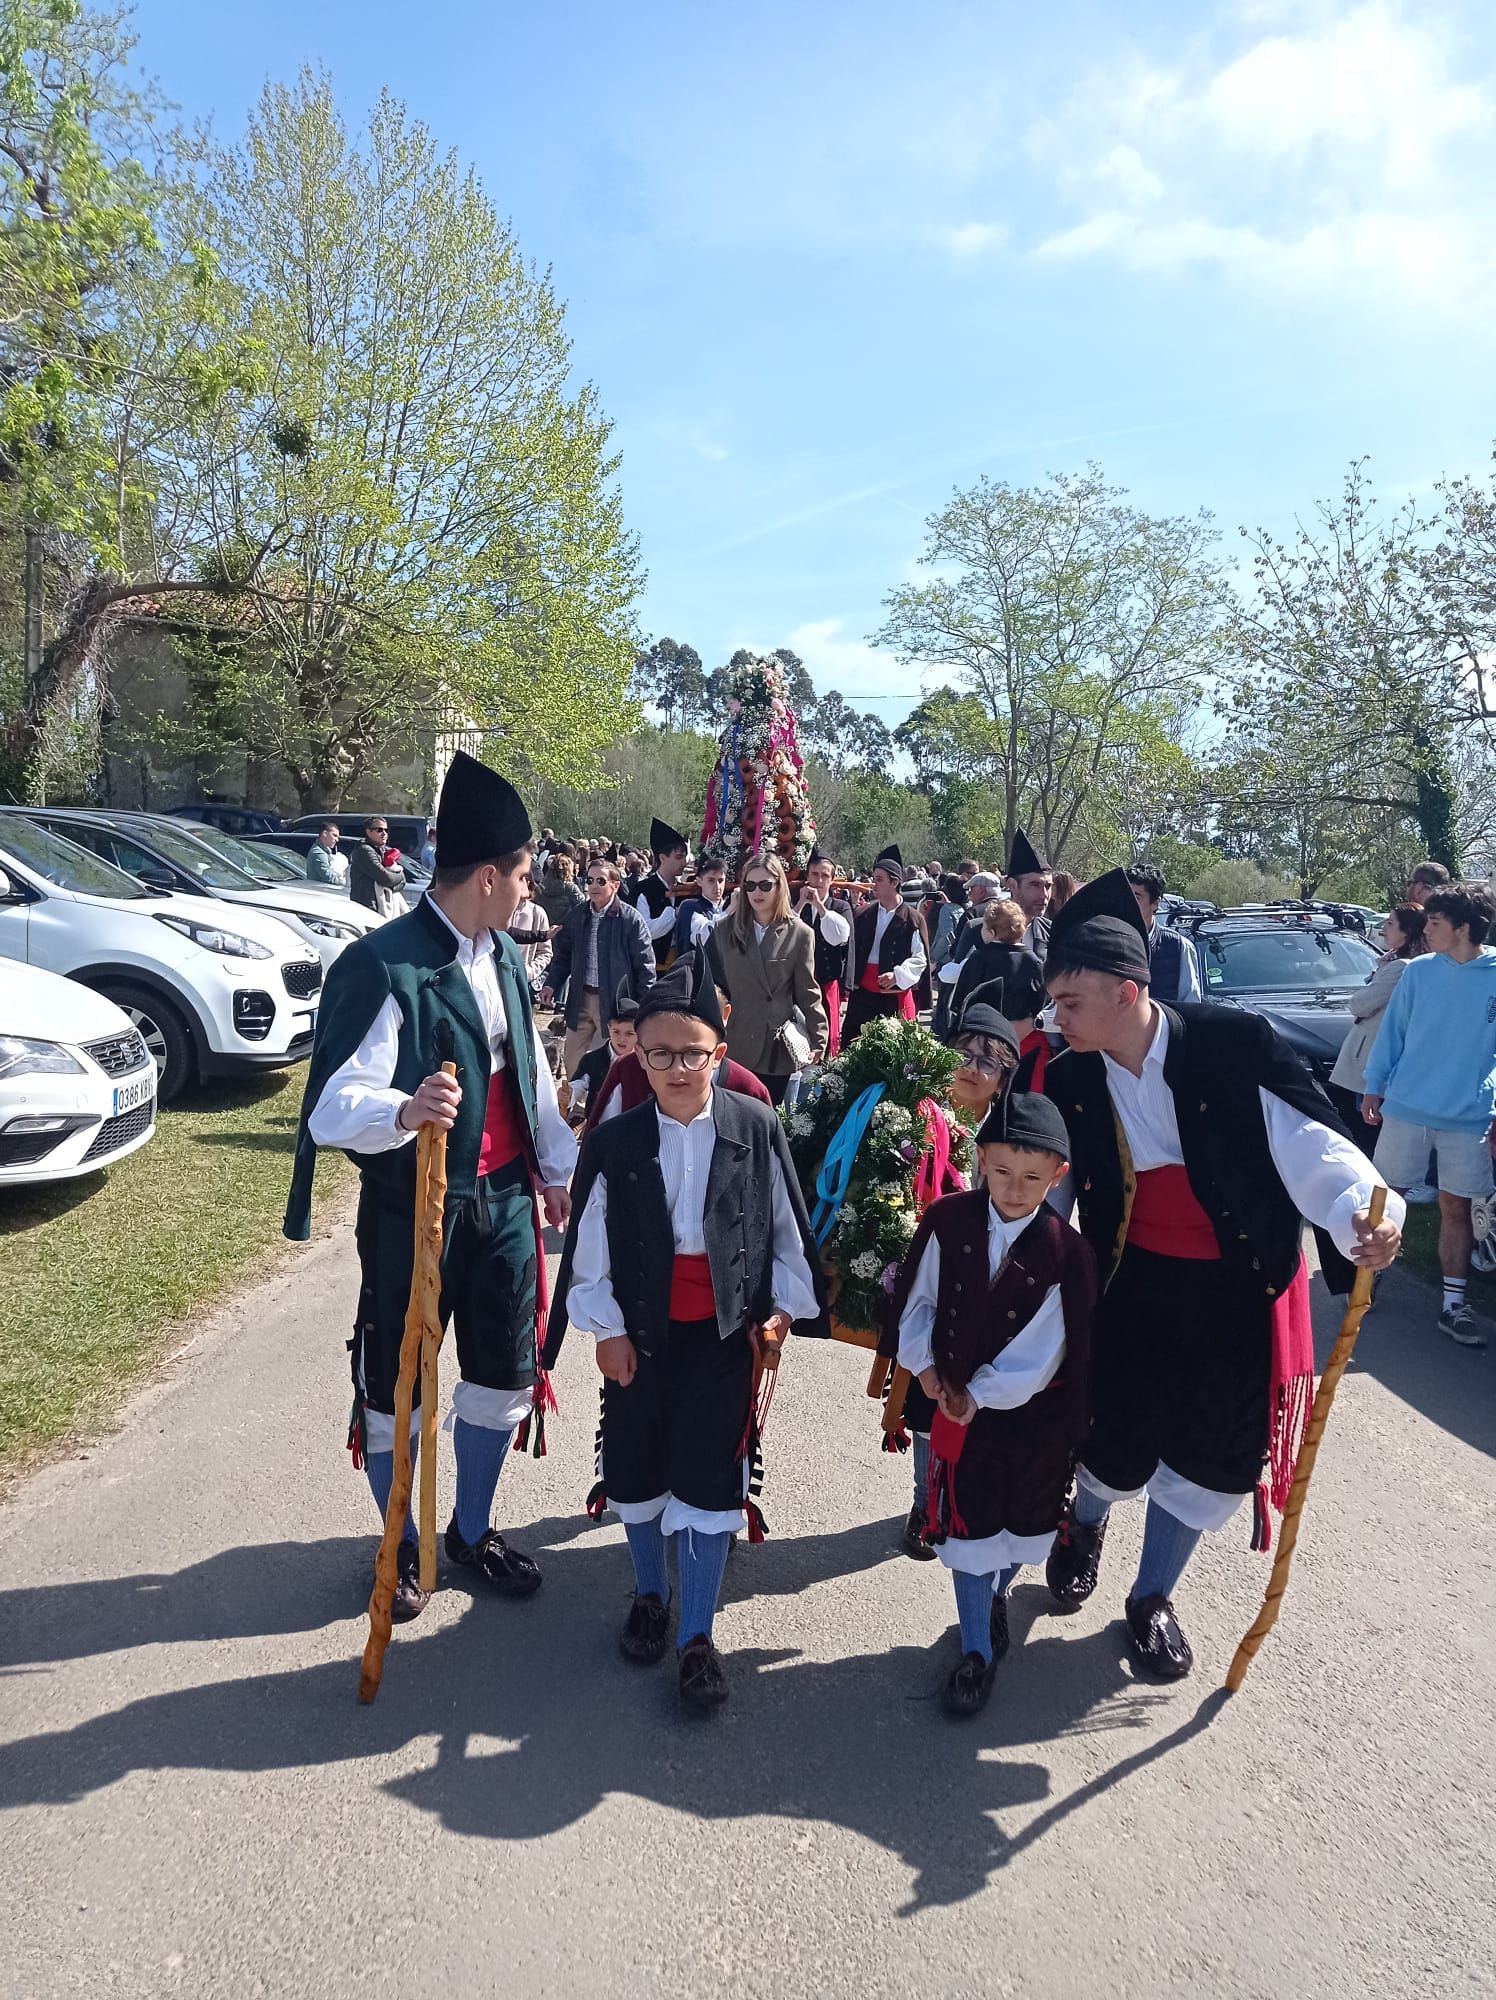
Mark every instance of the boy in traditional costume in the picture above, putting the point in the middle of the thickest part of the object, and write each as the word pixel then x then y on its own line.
pixel 625 1085
pixel 595 1067
pixel 445 977
pixel 994 1307
pixel 1199 1141
pixel 830 917
pixel 653 895
pixel 688 1259
pixel 888 954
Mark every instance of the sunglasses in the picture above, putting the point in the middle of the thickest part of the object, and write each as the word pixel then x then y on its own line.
pixel 760 888
pixel 599 881
pixel 662 1059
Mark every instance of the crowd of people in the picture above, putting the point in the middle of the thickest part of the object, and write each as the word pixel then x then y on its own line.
pixel 1191 1142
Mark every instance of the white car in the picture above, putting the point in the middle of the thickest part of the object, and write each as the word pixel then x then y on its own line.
pixel 77 1082
pixel 214 990
pixel 166 854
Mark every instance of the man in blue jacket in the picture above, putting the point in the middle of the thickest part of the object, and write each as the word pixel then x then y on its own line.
pixel 1431 1081
pixel 603 947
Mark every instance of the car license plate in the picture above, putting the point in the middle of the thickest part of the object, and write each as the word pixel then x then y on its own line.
pixel 130 1096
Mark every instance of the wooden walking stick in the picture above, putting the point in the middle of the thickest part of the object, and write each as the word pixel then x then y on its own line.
pixel 1288 1532
pixel 418 1349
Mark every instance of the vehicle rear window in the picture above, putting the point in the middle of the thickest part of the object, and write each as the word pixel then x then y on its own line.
pixel 1285 960
pixel 200 862
pixel 65 863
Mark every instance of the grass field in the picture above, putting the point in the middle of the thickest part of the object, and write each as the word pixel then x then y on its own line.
pixel 99 1273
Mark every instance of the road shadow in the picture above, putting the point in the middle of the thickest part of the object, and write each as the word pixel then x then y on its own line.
pixel 539 1719
pixel 1401 1346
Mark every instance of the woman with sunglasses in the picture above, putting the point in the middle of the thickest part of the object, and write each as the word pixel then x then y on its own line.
pixel 767 969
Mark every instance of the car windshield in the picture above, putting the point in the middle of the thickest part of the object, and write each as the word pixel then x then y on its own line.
pixel 1297 959
pixel 193 856
pixel 259 863
pixel 63 862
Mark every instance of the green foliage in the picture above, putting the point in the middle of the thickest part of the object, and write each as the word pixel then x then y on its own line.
pixel 1228 882
pixel 878 1219
pixel 858 815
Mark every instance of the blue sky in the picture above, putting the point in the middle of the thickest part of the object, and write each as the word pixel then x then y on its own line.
pixel 827 261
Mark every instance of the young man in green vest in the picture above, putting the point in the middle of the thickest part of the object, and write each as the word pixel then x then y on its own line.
pixel 445 978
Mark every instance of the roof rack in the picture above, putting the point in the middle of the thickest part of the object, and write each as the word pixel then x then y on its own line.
pixel 1336 916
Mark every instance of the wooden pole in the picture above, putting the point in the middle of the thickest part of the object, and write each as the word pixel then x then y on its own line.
pixel 1288 1532
pixel 421 1312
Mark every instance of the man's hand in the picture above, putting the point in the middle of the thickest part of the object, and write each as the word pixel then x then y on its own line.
pixel 767 1340
pixel 1371 1110
pixel 434 1102
pixel 618 1359
pixel 958 1405
pixel 1375 1248
pixel 929 1381
pixel 548 993
pixel 886 982
pixel 557 1205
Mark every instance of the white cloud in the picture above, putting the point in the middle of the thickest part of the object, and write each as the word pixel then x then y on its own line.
pixel 835 658
pixel 970 239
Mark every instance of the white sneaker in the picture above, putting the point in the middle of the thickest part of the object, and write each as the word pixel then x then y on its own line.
pixel 1421 1194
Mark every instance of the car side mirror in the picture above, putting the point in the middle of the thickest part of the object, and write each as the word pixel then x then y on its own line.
pixel 8 892
pixel 157 878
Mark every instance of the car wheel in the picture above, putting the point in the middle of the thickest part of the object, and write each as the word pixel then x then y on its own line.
pixel 164 1033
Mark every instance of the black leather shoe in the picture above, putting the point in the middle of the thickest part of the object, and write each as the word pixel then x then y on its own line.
pixel 410 1599
pixel 999 1628
pixel 966 1692
pixel 645 1631
pixel 1075 1560
pixel 912 1541
pixel 510 1573
pixel 703 1684
pixel 1158 1645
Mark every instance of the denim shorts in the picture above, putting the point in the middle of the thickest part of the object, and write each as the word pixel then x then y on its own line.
pixel 1464 1160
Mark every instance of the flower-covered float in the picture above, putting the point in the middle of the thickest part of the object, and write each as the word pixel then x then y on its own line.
pixel 757 797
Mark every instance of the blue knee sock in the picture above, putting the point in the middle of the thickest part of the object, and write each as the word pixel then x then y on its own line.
pixel 921 1470
pixel 974 1608
pixel 380 1466
pixel 1167 1546
pixel 647 1547
pixel 480 1459
pixel 702 1560
pixel 1004 1578
pixel 1090 1509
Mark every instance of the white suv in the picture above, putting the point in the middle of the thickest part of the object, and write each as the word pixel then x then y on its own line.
pixel 77 1084
pixel 213 990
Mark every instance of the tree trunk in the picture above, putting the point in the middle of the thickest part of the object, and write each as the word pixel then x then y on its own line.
pixel 78 645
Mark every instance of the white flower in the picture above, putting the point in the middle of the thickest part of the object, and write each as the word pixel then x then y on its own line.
pixel 801 1127
pixel 848 1214
pixel 867 1264
pixel 834 1086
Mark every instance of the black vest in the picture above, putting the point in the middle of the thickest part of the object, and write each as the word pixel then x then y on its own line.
pixel 831 959
pixel 738 1222
pixel 898 939
pixel 1218 1059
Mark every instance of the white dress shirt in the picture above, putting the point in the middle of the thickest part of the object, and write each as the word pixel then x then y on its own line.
pixel 834 928
pixel 357 1109
pixel 907 974
pixel 662 926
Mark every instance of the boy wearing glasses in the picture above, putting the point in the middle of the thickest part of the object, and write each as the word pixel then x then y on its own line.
pixel 688 1259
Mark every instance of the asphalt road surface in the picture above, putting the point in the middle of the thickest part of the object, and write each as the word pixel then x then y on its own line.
pixel 195 1803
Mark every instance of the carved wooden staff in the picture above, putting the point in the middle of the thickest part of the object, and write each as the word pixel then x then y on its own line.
pixel 1288 1533
pixel 418 1348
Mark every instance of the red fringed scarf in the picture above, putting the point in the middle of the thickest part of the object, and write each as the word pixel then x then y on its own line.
pixel 947 1442
pixel 1291 1397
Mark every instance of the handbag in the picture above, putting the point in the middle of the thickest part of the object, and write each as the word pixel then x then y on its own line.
pixel 795 1041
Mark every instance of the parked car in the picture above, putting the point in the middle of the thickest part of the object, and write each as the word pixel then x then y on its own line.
pixel 407 830
pixel 233 819
pixel 417 878
pixel 77 1082
pixel 167 854
pixel 1296 964
pixel 261 860
pixel 214 989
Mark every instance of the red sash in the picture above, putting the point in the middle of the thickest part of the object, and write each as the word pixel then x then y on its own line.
pixel 691 1294
pixel 1167 1219
pixel 1036 1044
pixel 503 1133
pixel 907 1010
pixel 831 995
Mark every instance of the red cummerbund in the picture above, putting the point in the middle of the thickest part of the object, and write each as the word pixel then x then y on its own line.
pixel 691 1294
pixel 869 979
pixel 1167 1219
pixel 503 1134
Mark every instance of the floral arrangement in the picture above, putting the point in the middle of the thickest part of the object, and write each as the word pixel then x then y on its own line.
pixel 880 1213
pixel 757 796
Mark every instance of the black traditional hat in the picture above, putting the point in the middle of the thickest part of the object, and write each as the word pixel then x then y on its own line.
pixel 892 861
pixel 1100 929
pixel 815 856
pixel 479 815
pixel 982 1014
pixel 1025 858
pixel 687 988
pixel 625 1006
pixel 1024 1119
pixel 664 839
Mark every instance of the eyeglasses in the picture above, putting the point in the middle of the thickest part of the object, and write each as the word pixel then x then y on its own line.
pixel 760 888
pixel 599 881
pixel 983 1065
pixel 663 1059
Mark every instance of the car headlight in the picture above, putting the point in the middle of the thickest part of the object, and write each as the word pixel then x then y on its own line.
pixel 228 944
pixel 325 927
pixel 19 1057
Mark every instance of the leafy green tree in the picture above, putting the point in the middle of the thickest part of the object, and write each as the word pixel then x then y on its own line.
pixel 670 677
pixel 844 738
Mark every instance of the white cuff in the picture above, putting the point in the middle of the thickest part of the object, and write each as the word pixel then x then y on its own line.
pixel 379 1429
pixel 490 1409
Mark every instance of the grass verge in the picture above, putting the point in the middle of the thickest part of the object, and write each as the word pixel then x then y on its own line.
pixel 1421 1256
pixel 99 1272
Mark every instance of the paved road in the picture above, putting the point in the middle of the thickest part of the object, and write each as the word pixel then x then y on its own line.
pixel 195 1804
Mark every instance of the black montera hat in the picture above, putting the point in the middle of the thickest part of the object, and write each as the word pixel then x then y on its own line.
pixel 891 860
pixel 1101 929
pixel 687 988
pixel 1024 1119
pixel 664 839
pixel 479 815
pixel 982 1014
pixel 1025 858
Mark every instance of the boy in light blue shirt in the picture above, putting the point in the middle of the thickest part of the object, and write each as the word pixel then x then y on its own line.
pixel 1431 1081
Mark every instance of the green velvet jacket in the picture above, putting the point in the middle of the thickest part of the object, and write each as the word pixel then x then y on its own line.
pixel 414 957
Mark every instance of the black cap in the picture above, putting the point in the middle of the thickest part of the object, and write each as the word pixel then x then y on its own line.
pixel 687 988
pixel 982 1014
pixel 664 839
pixel 816 856
pixel 892 861
pixel 1100 929
pixel 479 815
pixel 1024 1119
pixel 1025 859
pixel 625 1006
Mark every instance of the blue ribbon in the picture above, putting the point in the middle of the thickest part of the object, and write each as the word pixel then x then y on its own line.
pixel 732 774
pixel 836 1169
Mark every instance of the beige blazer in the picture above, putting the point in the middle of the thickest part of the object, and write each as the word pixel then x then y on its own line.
pixel 766 982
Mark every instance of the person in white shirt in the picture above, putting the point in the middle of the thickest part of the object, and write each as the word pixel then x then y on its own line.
pixel 888 955
pixel 689 1258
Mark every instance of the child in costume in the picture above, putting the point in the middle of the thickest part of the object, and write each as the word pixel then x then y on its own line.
pixel 688 1259
pixel 593 1069
pixel 995 1304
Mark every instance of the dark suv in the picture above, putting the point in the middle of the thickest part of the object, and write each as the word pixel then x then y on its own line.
pixel 1295 963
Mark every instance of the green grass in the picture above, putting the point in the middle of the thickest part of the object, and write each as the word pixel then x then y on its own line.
pixel 1421 1256
pixel 99 1272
